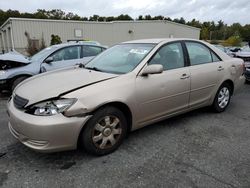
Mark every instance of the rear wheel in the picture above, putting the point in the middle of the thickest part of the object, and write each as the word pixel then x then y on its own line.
pixel 222 98
pixel 17 81
pixel 104 132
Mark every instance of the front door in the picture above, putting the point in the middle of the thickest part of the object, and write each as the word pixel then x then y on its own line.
pixel 159 95
pixel 65 57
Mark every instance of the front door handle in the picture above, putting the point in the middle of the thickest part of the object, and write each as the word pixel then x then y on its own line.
pixel 184 76
pixel 220 68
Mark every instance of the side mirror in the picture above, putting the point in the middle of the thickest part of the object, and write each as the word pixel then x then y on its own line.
pixel 49 60
pixel 152 69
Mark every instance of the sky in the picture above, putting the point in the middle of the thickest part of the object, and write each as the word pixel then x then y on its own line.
pixel 230 11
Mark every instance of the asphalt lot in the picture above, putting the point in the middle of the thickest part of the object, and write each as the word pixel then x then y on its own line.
pixel 198 149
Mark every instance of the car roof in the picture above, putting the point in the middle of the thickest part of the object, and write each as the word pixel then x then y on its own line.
pixel 157 40
pixel 87 43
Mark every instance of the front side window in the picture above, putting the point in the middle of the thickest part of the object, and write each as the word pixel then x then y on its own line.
pixel 198 53
pixel 42 54
pixel 89 51
pixel 67 53
pixel 169 56
pixel 121 58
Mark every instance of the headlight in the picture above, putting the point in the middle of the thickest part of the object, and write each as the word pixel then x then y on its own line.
pixel 52 107
pixel 2 72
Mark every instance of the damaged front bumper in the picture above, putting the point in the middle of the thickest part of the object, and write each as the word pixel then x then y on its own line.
pixel 45 134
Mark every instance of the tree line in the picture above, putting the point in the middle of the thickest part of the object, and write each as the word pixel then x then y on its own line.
pixel 209 29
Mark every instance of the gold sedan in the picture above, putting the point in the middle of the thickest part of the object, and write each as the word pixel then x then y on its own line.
pixel 126 87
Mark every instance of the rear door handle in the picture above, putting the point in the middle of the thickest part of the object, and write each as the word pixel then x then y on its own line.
pixel 220 68
pixel 184 76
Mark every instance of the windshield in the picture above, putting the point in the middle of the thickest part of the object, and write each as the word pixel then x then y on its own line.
pixel 42 54
pixel 120 59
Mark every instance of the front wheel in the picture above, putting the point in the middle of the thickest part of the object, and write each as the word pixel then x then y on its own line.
pixel 222 98
pixel 17 81
pixel 104 132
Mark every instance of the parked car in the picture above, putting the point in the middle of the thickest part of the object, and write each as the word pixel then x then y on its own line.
pixel 13 56
pixel 128 86
pixel 232 50
pixel 17 68
pixel 244 54
pixel 222 48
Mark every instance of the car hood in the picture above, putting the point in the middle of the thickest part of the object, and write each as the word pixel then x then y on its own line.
pixel 14 57
pixel 242 54
pixel 56 83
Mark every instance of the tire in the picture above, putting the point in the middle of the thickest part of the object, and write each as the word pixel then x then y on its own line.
pixel 222 98
pixel 104 132
pixel 17 81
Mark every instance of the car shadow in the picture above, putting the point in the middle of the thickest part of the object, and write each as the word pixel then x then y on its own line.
pixel 5 94
pixel 20 155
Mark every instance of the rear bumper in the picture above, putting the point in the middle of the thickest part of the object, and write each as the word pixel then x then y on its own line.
pixel 45 134
pixel 239 82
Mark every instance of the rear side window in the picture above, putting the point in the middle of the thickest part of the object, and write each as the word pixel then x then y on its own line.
pixel 169 56
pixel 215 57
pixel 200 54
pixel 88 51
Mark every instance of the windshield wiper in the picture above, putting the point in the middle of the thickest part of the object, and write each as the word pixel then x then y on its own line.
pixel 81 65
pixel 93 68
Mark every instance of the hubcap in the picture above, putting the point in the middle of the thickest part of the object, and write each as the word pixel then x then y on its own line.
pixel 107 132
pixel 223 97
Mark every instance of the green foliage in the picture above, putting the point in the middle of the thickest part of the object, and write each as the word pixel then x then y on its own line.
pixel 233 41
pixel 205 34
pixel 148 17
pixel 55 39
pixel 209 30
pixel 43 43
pixel 34 45
pixel 245 32
pixel 195 23
pixel 124 17
pixel 181 20
pixel 31 47
pixel 214 42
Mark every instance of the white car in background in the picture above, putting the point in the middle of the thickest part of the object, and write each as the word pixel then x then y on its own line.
pixel 14 67
pixel 13 56
pixel 244 54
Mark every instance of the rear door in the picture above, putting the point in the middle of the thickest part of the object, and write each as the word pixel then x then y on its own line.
pixel 161 94
pixel 206 69
pixel 64 57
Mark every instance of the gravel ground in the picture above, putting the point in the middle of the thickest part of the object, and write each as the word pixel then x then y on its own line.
pixel 197 149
